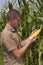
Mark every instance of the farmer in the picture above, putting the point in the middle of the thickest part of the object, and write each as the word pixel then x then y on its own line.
pixel 13 46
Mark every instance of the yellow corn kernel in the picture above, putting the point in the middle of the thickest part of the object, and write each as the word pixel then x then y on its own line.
pixel 37 32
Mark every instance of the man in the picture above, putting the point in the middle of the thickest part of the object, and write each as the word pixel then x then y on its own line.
pixel 13 47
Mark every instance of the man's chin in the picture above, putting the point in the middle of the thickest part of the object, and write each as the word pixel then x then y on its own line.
pixel 16 26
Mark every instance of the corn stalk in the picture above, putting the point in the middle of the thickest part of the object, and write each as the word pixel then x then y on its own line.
pixel 30 22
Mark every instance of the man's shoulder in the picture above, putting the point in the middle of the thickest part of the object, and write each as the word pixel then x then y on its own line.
pixel 5 32
pixel 8 32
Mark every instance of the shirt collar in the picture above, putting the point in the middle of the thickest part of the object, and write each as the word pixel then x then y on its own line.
pixel 10 28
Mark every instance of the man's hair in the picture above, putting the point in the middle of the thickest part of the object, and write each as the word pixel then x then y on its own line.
pixel 13 14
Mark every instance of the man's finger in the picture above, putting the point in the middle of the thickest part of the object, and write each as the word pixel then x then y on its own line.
pixel 34 31
pixel 34 39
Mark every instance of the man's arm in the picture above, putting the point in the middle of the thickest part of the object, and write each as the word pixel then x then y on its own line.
pixel 19 52
pixel 23 44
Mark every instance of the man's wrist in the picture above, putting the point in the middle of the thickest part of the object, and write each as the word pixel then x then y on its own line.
pixel 29 40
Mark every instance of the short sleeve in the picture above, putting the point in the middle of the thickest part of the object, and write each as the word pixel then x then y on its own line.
pixel 10 43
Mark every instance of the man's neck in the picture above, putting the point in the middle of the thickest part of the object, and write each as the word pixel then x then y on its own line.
pixel 11 25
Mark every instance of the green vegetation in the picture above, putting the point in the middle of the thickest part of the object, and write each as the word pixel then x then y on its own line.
pixel 1 56
pixel 31 19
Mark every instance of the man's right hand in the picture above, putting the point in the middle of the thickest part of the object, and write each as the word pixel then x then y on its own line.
pixel 32 38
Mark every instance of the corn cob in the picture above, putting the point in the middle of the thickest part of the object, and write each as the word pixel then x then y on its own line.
pixel 37 32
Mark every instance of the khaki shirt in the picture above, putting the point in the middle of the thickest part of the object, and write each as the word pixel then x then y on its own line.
pixel 10 41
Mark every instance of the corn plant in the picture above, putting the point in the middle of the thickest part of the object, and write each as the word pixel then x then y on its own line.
pixel 30 21
pixel 3 20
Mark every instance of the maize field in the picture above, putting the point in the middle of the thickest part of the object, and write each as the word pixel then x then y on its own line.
pixel 34 54
pixel 31 19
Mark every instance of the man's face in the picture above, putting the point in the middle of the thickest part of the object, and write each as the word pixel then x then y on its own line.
pixel 16 22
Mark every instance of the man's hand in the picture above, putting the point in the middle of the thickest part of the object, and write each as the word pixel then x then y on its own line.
pixel 26 43
pixel 33 31
pixel 32 38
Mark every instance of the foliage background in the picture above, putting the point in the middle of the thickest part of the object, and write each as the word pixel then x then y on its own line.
pixel 31 19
